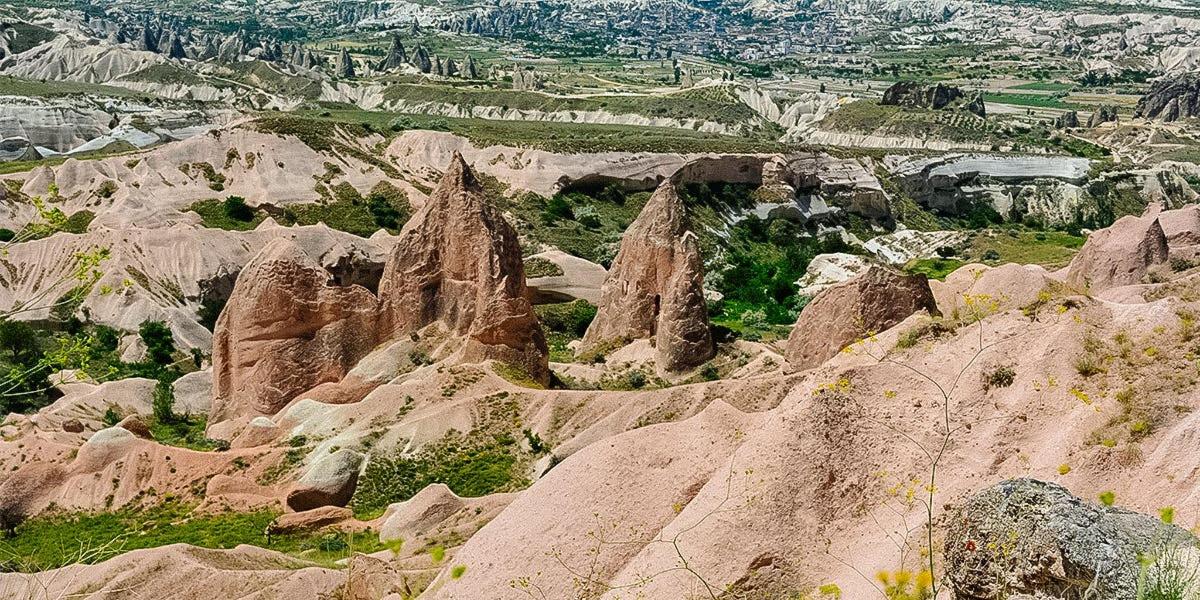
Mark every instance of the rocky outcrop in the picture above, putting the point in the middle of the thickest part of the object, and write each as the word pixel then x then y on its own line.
pixel 421 60
pixel 852 310
pixel 914 94
pixel 655 289
pixel 1171 99
pixel 524 80
pixel 1067 120
pixel 345 66
pixel 396 57
pixel 330 481
pixel 1120 255
pixel 470 70
pixel 285 330
pixel 1028 538
pixel 977 106
pixel 1105 114
pixel 458 262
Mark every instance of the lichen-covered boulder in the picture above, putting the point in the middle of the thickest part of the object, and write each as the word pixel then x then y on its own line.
pixel 1030 537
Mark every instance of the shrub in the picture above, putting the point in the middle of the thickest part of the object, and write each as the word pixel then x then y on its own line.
pixel 540 267
pixel 999 377
pixel 7 235
pixel 557 208
pixel 1088 364
pixel 636 379
pixel 235 208
pixel 160 345
pixel 164 402
pixel 107 189
pixel 571 318
pixel 589 217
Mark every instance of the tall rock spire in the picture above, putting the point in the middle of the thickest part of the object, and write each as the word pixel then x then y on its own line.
pixel 458 263
pixel 655 289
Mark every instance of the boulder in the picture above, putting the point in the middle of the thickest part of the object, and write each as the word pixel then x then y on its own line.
pixel 286 329
pixel 1119 255
pixel 135 425
pixel 458 263
pixel 655 289
pixel 309 520
pixel 852 310
pixel 72 426
pixel 1030 537
pixel 193 393
pixel 330 481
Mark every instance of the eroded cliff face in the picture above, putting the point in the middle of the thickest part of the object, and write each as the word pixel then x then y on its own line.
pixel 1171 99
pixel 285 330
pixel 655 289
pixel 458 263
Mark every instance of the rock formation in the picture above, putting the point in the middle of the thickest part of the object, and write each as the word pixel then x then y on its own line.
pixel 1171 99
pixel 1030 538
pixel 1067 120
pixel 330 481
pixel 285 330
pixel 852 310
pixel 396 57
pixel 1119 255
pixel 525 80
pixel 655 289
pixel 470 69
pixel 977 106
pixel 345 66
pixel 919 95
pixel 421 60
pixel 458 263
pixel 1105 114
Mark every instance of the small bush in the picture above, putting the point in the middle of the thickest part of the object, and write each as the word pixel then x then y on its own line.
pixel 160 344
pixel 164 402
pixel 1088 364
pixel 999 377
pixel 557 208
pixel 235 208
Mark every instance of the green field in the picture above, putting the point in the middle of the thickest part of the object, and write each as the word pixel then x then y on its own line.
pixel 553 137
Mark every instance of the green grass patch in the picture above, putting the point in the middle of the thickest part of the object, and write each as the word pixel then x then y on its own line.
pixel 556 137
pixel 934 268
pixel 1045 86
pixel 184 431
pixel 487 460
pixel 1031 100
pixel 563 324
pixel 1051 249
pixel 54 540
pixel 226 214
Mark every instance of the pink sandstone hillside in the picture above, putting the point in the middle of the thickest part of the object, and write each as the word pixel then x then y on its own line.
pixel 769 482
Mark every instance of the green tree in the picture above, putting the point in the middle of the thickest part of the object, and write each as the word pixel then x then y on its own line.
pixel 159 343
